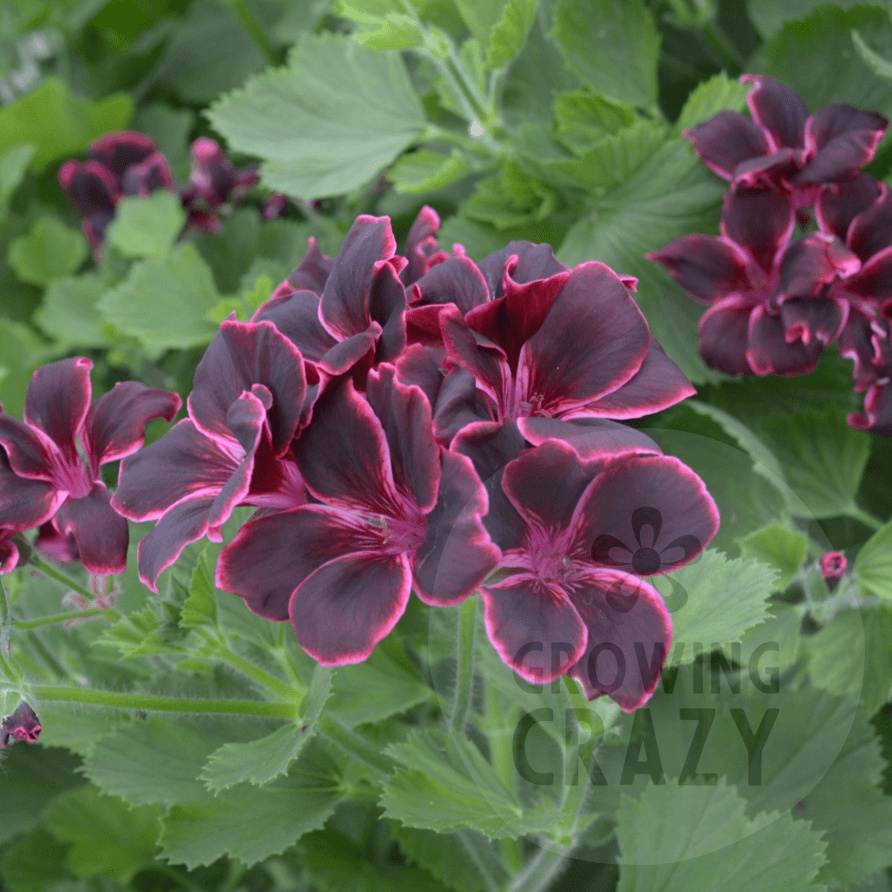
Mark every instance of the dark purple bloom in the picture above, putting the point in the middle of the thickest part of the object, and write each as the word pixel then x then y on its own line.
pixel 393 510
pixel 783 148
pixel 422 251
pixel 234 449
pixel 524 340
pixel 9 552
pixel 833 568
pixel 21 724
pixel 119 164
pixel 274 205
pixel 560 521
pixel 771 311
pixel 42 475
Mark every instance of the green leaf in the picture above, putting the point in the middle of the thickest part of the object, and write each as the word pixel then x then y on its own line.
pixel 58 123
pixel 850 656
pixel 612 45
pixel 670 194
pixel 50 251
pixel 328 122
pixel 138 634
pixel 822 459
pixel 425 170
pixel 873 565
pixel 69 314
pixel 717 601
pixel 442 854
pixel 710 97
pixel 21 351
pixel 769 17
pixel 446 784
pixel 824 37
pixel 106 836
pixel 510 33
pixel 396 31
pixel 170 128
pixel 878 65
pixel 200 608
pixel 251 824
pixel 164 303
pixel 585 118
pixel 154 760
pixel 481 16
pixel 513 198
pixel 696 837
pixel 147 227
pixel 13 167
pixel 779 547
pixel 263 760
pixel 35 864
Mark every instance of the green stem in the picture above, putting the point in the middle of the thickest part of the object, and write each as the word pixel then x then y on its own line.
pixel 480 853
pixel 259 675
pixel 865 517
pixel 48 569
pixel 56 618
pixel 240 8
pixel 117 700
pixel 465 668
pixel 355 745
pixel 540 870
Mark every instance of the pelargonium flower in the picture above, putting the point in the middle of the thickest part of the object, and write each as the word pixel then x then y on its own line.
pixel 9 551
pixel 393 510
pixel 771 312
pixel 527 341
pixel 833 568
pixel 783 148
pixel 233 449
pixel 213 183
pixel 119 164
pixel 561 522
pixel 42 475
pixel 21 724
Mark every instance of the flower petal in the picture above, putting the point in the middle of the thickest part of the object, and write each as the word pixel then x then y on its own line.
pixel 186 522
pixel 115 423
pixel 724 335
pixel 457 281
pixel 297 317
pixel 241 355
pixel 150 174
pixel 534 627
pixel 119 150
pixel 57 401
pixel 421 249
pixel 101 534
pixel 24 503
pixel 31 453
pixel 405 417
pixel 709 268
pixel 459 403
pixel 877 415
pixel 842 138
pixel 820 319
pixel 534 263
pixel 422 365
pixel 486 363
pixel 760 222
pixel 313 271
pixel 874 279
pixel 589 437
pixel 681 513
pixel 346 607
pixel 387 307
pixel 593 340
pixel 726 139
pixel 183 464
pixel 457 553
pixel 271 556
pixel 812 262
pixel 9 553
pixel 871 230
pixel 839 203
pixel 777 109
pixel 771 353
pixel 629 633
pixel 91 187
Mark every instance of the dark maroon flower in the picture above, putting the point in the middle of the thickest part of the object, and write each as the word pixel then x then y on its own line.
pixel 360 318
pixel 771 312
pixel 561 609
pixel 554 351
pixel 833 568
pixel 244 410
pixel 422 251
pixel 783 148
pixel 9 552
pixel 274 205
pixel 42 475
pixel 119 164
pixel 393 511
pixel 21 724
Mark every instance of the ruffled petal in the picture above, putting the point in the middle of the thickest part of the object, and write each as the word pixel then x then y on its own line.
pixel 709 268
pixel 459 403
pixel 457 553
pixel 150 174
pixel 724 335
pixel 778 110
pixel 877 415
pixel 347 606
pixel 812 262
pixel 589 437
pixel 24 503
pixel 91 187
pixel 871 230
pixel 313 271
pixel 771 353
pixel 726 139
pixel 115 423
pixel 297 317
pixel 534 627
pixel 387 307
pixel 421 248
pixel 487 363
pixel 760 222
pixel 422 366
pixel 820 319
pixel 101 534
pixel 842 139
pixel 457 281
pixel 534 263
pixel 629 633
pixel 874 279
pixel 839 203
pixel 118 151
pixel 186 522
pixel 9 553
pixel 31 453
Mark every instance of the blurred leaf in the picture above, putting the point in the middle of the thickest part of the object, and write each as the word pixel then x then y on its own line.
pixel 510 33
pixel 58 123
pixel 147 227
pixel 612 45
pixel 21 351
pixel 328 122
pixel 874 564
pixel 585 118
pixel 13 167
pixel 779 547
pixel 880 66
pixel 425 171
pixel 35 863
pixel 769 17
pixel 710 97
pixel 442 854
pixel 200 608
pixel 69 313
pixel 50 251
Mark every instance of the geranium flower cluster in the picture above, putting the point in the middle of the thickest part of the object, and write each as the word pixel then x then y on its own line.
pixel 423 422
pixel 774 301
pixel 127 163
